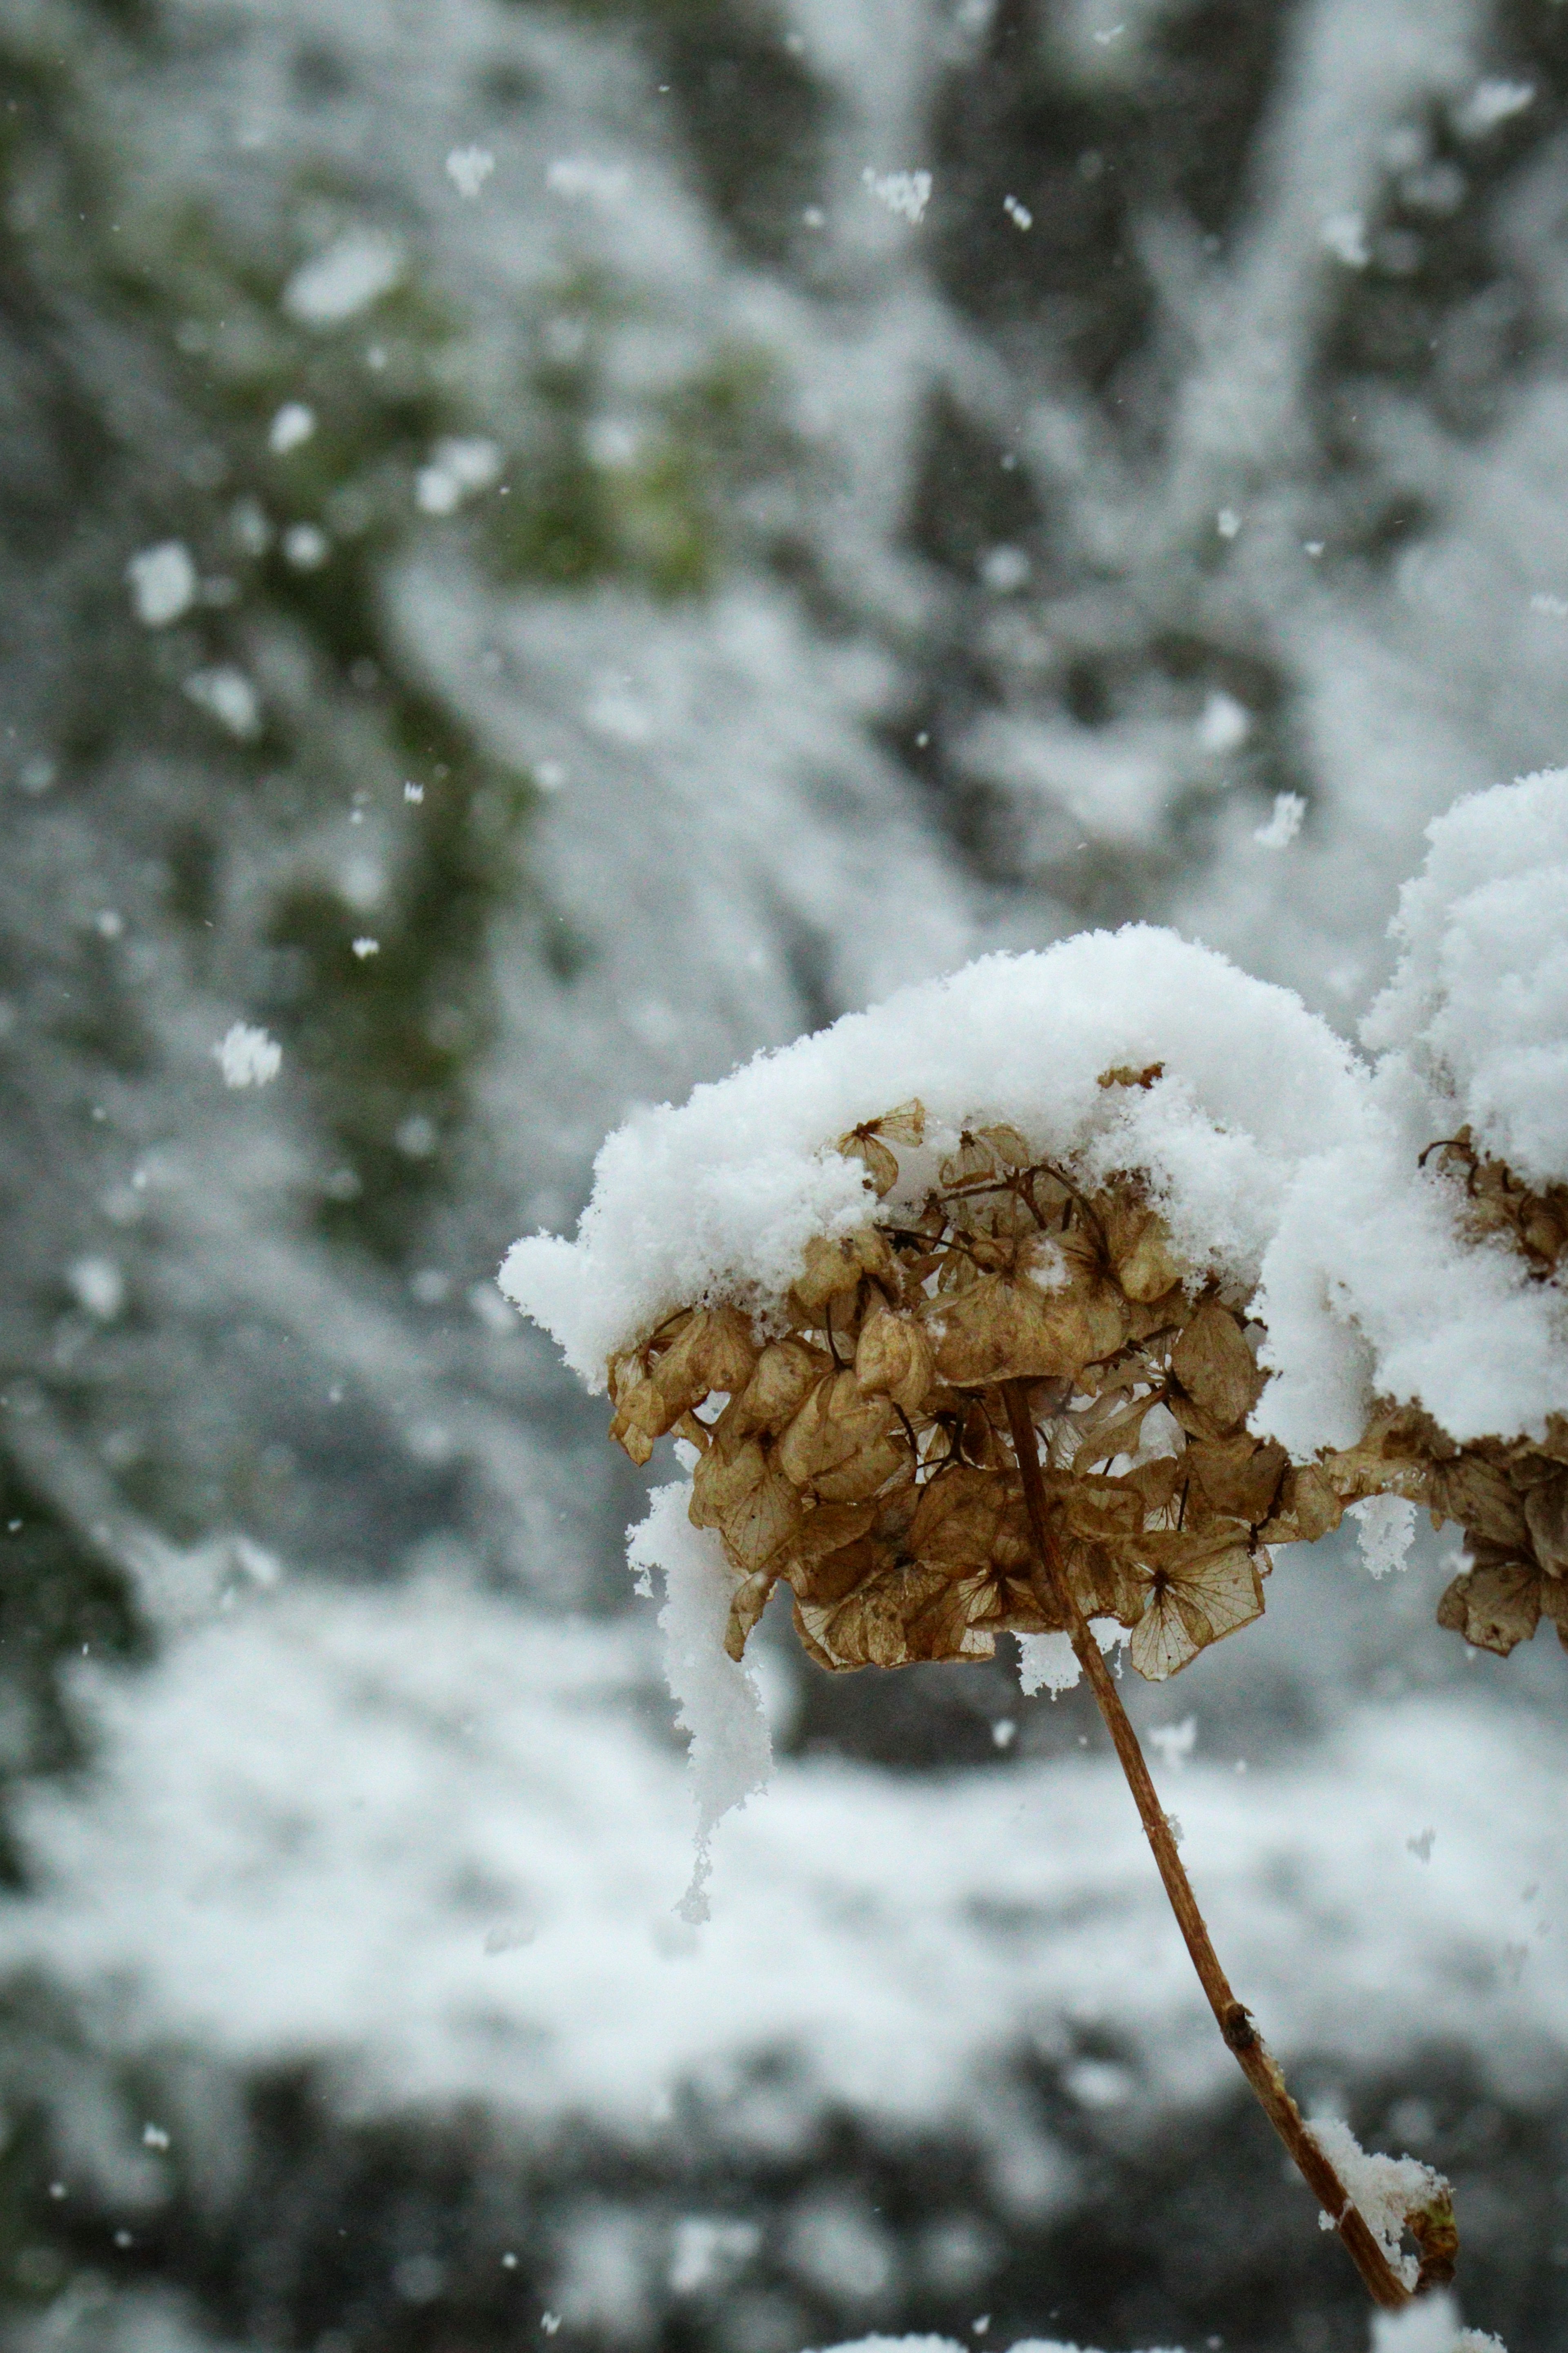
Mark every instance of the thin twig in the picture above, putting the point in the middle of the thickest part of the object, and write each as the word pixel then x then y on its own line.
pixel 1234 2022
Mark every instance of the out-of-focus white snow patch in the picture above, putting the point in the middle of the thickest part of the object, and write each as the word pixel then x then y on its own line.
pixel 1386 1530
pixel 98 1287
pixel 1345 236
pixel 290 429
pixel 1475 1022
pixel 1429 2325
pixel 306 546
pixel 230 697
pixel 1282 827
pixel 904 193
pixel 1225 724
pixel 345 280
pixel 248 1057
pixel 163 583
pixel 469 168
pixel 584 179
pixel 458 469
pixel 1491 102
pixel 292 1809
pixel 718 1701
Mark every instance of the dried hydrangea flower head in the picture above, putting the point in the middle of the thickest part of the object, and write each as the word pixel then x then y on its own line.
pixel 858 1449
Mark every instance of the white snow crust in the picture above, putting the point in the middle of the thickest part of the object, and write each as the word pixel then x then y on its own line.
pixel 1475 1017
pixel 1277 1157
pixel 718 1701
pixel 722 1196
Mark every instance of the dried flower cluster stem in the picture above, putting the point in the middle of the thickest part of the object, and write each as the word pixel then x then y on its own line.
pixel 1234 2019
pixel 1007 1402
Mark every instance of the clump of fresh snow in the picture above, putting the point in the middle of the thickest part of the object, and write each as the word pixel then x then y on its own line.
pixel 718 1701
pixel 1383 2189
pixel 162 582
pixel 720 1196
pixel 1475 1017
pixel 1276 1158
pixel 1386 1530
pixel 1047 1661
pixel 904 193
pixel 248 1057
pixel 1282 827
pixel 348 278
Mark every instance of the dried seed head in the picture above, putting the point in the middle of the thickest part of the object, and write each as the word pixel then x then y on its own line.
pixel 864 1456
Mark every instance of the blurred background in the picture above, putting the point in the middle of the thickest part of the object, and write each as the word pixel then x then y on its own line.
pixel 543 549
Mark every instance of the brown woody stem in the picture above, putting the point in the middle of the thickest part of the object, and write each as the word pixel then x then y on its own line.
pixel 1234 2020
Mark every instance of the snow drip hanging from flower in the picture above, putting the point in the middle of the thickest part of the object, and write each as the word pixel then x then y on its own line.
pixel 1060 1290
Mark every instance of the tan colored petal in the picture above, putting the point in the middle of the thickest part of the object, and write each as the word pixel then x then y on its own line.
pixel 786 1373
pixel 754 1508
pixel 1145 1260
pixel 1546 1515
pixel 747 1603
pixel 1240 1476
pixel 955 1522
pixel 1494 1607
pixel 1479 1496
pixel 876 1158
pixel 1306 1507
pixel 1193 1602
pixel 893 1358
pixel 833 1264
pixel 1216 1369
pixel 843 1446
pixel 998 1329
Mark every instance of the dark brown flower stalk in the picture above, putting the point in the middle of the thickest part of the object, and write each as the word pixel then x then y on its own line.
pixel 1234 2019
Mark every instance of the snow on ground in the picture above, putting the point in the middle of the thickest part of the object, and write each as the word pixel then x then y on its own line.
pixel 437 1841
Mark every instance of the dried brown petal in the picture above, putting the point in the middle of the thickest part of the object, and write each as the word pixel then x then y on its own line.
pixel 714 1350
pixel 747 1603
pixel 1006 1144
pixel 1306 1507
pixel 1477 1495
pixel 1494 1607
pixel 955 1523
pixel 1122 1074
pixel 973 1163
pixel 1193 1602
pixel 835 1264
pixel 1546 1515
pixel 786 1373
pixel 754 1508
pixel 876 1158
pixel 999 1329
pixel 1141 1251
pixel 1240 1476
pixel 843 1446
pixel 1216 1369
pixel 893 1358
